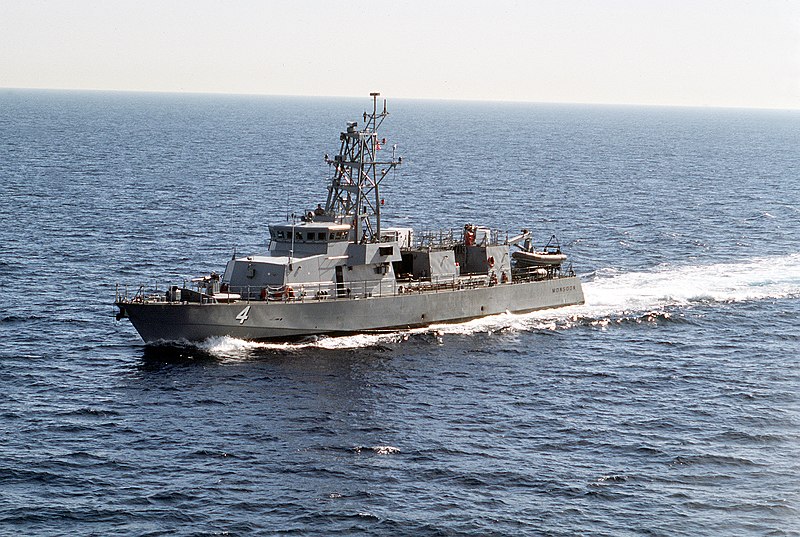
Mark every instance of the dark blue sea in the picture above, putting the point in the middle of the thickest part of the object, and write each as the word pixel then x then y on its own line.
pixel 667 405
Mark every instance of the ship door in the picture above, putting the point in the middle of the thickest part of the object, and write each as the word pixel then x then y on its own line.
pixel 339 281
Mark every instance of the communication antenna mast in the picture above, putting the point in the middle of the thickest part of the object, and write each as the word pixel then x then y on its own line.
pixel 354 193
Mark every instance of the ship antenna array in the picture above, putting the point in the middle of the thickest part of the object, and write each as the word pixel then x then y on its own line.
pixel 354 194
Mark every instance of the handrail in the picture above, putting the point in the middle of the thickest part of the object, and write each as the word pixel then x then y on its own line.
pixel 354 290
pixel 448 238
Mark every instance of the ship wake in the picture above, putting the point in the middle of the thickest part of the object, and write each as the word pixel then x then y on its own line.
pixel 664 294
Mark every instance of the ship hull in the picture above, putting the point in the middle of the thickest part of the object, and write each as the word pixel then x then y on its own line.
pixel 263 320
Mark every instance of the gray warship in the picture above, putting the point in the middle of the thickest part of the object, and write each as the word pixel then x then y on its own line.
pixel 338 270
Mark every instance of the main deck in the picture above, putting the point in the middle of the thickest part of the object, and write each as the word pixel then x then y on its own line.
pixel 161 320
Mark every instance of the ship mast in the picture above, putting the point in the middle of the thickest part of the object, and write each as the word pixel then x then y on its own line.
pixel 354 194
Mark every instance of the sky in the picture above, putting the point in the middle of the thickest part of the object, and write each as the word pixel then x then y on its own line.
pixel 725 53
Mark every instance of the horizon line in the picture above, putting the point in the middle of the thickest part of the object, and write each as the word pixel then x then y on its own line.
pixel 453 99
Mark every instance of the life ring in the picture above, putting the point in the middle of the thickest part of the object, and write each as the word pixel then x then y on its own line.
pixel 491 261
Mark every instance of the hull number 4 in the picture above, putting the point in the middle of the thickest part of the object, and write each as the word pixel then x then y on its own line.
pixel 243 315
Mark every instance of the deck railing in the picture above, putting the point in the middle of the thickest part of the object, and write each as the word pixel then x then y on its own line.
pixel 449 238
pixel 316 291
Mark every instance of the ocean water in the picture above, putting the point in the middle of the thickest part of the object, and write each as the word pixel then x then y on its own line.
pixel 668 404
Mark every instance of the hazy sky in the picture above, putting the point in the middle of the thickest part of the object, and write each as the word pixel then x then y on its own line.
pixel 701 52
